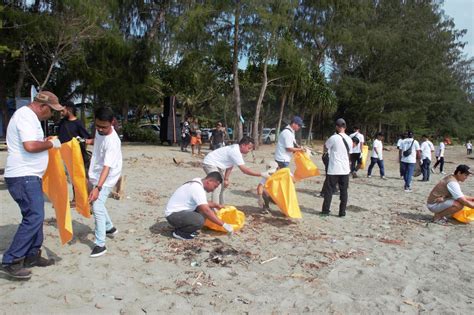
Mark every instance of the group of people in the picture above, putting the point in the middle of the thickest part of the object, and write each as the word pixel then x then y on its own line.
pixel 188 207
pixel 26 164
pixel 191 133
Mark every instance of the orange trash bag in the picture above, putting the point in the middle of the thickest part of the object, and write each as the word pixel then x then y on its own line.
pixel 465 215
pixel 364 155
pixel 304 166
pixel 229 215
pixel 281 188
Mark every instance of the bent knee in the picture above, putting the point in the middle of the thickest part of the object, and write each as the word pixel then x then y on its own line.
pixel 458 205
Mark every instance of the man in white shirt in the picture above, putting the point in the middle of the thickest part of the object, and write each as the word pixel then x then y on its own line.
pixel 446 198
pixel 377 156
pixel 27 161
pixel 426 148
pixel 410 154
pixel 339 147
pixel 286 144
pixel 399 143
pixel 188 207
pixel 104 172
pixel 223 161
pixel 440 156
pixel 356 155
pixel 469 147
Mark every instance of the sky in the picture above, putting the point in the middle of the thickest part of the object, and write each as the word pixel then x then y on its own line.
pixel 462 11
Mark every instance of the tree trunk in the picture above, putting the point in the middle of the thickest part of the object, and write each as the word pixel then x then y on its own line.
pixel 310 130
pixel 235 73
pixel 280 117
pixel 3 108
pixel 21 75
pixel 125 108
pixel 260 101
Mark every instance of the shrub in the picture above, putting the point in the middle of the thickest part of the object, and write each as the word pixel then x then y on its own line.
pixel 133 132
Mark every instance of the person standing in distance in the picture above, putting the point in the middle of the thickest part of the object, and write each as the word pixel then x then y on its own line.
pixel 104 172
pixel 339 146
pixel 286 144
pixel 356 155
pixel 27 161
pixel 426 148
pixel 410 154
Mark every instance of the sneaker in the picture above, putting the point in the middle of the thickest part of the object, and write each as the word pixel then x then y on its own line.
pixel 195 234
pixel 354 175
pixel 369 176
pixel 443 173
pixel 408 190
pixel 325 213
pixel 38 261
pixel 383 177
pixel 16 271
pixel 98 251
pixel 182 236
pixel 342 214
pixel 112 232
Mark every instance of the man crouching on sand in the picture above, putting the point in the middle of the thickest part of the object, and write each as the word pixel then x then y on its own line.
pixel 446 198
pixel 188 207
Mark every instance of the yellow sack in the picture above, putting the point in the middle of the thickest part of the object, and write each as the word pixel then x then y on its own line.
pixel 55 187
pixel 364 155
pixel 304 166
pixel 465 215
pixel 282 190
pixel 72 157
pixel 229 215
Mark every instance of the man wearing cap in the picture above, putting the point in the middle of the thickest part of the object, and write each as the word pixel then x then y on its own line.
pixel 339 146
pixel 26 163
pixel 356 155
pixel 286 144
pixel 446 198
pixel 411 152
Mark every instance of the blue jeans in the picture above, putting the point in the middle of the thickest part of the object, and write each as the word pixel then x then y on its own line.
pixel 283 164
pixel 408 170
pixel 27 191
pixel 101 216
pixel 425 169
pixel 374 161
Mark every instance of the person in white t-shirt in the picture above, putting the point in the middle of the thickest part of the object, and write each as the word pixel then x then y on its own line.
pixel 104 172
pixel 410 154
pixel 426 148
pixel 188 207
pixel 286 144
pixel 399 143
pixel 223 161
pixel 377 156
pixel 26 163
pixel 356 155
pixel 469 147
pixel 339 147
pixel 440 156
pixel 446 198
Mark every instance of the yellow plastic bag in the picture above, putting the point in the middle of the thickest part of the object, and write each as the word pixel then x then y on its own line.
pixel 229 215
pixel 364 155
pixel 465 215
pixel 55 187
pixel 304 166
pixel 282 190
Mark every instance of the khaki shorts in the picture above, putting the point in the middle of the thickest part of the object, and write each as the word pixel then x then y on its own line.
pixel 438 207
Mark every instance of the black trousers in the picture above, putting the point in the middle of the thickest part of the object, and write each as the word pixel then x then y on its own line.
pixel 332 182
pixel 439 162
pixel 186 221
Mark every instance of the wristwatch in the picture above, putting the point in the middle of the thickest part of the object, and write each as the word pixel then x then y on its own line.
pixel 99 188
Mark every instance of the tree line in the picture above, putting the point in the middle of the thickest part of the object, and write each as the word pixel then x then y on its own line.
pixel 383 65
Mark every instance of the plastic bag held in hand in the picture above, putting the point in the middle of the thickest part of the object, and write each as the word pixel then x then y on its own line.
pixel 228 228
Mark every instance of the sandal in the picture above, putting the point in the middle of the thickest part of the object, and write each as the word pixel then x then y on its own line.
pixel 441 221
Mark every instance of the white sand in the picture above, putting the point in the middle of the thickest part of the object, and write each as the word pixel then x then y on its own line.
pixel 385 256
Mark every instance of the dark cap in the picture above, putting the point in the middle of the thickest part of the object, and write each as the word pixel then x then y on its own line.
pixel 48 98
pixel 463 169
pixel 410 134
pixel 297 120
pixel 341 122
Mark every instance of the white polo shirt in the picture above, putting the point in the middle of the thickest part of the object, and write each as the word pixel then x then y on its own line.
pixel 440 150
pixel 426 148
pixel 338 158
pixel 225 157
pixel 405 145
pixel 358 147
pixel 187 197
pixel 286 139
pixel 379 146
pixel 24 126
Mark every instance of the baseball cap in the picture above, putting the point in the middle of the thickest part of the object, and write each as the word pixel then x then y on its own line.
pixel 462 168
pixel 297 120
pixel 271 167
pixel 48 98
pixel 341 122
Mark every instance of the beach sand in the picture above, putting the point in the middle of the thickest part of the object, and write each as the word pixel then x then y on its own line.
pixel 385 256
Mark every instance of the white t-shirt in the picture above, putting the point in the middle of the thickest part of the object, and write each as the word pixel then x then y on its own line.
pixel 225 157
pixel 455 190
pixel 286 139
pixel 107 152
pixel 405 145
pixel 426 148
pixel 338 158
pixel 440 149
pixel 399 143
pixel 379 146
pixel 187 197
pixel 357 148
pixel 24 126
pixel 469 145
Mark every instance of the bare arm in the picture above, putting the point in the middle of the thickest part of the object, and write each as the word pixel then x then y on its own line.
pixel 294 149
pixel 248 171
pixel 103 176
pixel 207 212
pixel 37 146
pixel 466 201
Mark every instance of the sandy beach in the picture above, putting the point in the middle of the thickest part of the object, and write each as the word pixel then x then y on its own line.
pixel 384 257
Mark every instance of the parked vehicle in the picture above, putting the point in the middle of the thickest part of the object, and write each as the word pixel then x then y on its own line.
pixel 268 135
pixel 153 127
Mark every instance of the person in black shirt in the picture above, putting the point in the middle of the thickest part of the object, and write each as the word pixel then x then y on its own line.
pixel 217 136
pixel 70 126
